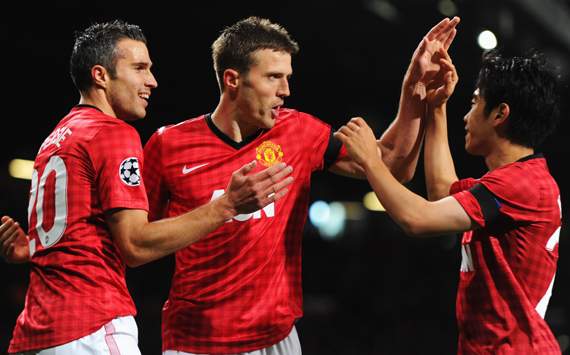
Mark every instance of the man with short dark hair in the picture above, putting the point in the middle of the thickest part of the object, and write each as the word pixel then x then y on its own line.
pixel 88 206
pixel 510 217
pixel 239 289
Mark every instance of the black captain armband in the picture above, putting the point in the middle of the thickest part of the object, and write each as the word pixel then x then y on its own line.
pixel 333 149
pixel 490 205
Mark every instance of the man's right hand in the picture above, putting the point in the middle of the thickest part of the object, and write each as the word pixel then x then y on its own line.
pixel 247 193
pixel 14 242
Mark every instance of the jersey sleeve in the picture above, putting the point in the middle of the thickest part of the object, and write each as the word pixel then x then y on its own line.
pixel 157 192
pixel 324 147
pixel 499 193
pixel 519 195
pixel 116 154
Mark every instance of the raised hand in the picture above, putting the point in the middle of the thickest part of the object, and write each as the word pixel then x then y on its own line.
pixel 13 242
pixel 425 63
pixel 443 84
pixel 249 193
pixel 359 141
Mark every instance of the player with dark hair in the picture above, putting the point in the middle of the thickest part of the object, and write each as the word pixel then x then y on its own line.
pixel 88 207
pixel 239 289
pixel 511 217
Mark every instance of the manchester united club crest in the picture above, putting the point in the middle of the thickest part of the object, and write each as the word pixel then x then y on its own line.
pixel 269 153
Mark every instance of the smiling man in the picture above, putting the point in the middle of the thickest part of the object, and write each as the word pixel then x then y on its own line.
pixel 239 289
pixel 88 206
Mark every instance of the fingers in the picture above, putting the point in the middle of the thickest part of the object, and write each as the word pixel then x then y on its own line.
pixel 8 236
pixel 253 190
pixel 449 68
pixel 276 189
pixel 244 170
pixel 7 223
pixel 353 126
pixel 272 171
pixel 449 39
pixel 346 131
pixel 267 178
pixel 359 121
pixel 341 137
pixel 442 30
pixel 437 29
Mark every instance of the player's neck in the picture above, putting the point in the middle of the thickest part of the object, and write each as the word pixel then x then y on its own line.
pixel 505 153
pixel 93 98
pixel 227 119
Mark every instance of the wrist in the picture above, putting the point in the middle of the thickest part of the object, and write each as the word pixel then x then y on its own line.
pixel 223 209
pixel 437 106
pixel 372 164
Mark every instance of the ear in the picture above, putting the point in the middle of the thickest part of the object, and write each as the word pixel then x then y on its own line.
pixel 231 79
pixel 502 113
pixel 100 76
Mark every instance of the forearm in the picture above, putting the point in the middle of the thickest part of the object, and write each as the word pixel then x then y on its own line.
pixel 438 162
pixel 141 242
pixel 404 207
pixel 401 142
pixel 414 214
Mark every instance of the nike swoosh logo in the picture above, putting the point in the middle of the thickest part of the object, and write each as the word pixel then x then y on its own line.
pixel 186 170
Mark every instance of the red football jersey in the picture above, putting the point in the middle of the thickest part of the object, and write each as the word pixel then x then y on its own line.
pixel 89 164
pixel 508 265
pixel 238 289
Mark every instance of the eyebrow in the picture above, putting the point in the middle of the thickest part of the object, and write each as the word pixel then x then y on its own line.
pixel 143 64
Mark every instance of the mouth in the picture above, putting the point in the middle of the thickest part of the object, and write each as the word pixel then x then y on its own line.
pixel 144 95
pixel 275 111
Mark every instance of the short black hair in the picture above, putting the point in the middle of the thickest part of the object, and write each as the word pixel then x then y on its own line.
pixel 236 43
pixel 531 89
pixel 96 46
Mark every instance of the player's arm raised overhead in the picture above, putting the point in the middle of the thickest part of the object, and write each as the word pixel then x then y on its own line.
pixel 14 246
pixel 140 241
pixel 438 163
pixel 401 142
pixel 413 213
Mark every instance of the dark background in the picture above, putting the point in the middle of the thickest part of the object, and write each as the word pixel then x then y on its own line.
pixel 371 291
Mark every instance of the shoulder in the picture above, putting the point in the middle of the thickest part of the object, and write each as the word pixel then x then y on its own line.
pixel 292 116
pixel 190 124
pixel 523 179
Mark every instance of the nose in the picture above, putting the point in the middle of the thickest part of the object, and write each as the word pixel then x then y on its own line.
pixel 283 90
pixel 151 81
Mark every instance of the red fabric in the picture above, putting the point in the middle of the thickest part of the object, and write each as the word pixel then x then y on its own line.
pixel 510 269
pixel 239 289
pixel 77 282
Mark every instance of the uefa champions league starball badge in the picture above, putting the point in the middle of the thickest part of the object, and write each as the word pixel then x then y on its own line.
pixel 129 172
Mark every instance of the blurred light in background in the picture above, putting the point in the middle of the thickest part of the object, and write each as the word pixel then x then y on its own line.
pixel 21 169
pixel 319 213
pixel 371 202
pixel 329 219
pixel 487 40
pixel 337 220
pixel 354 210
pixel 384 9
pixel 447 8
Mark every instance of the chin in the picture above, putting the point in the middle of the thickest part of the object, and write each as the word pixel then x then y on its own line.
pixel 268 124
